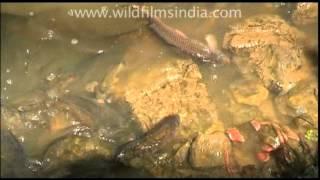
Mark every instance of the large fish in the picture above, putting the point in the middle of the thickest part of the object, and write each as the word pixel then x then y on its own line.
pixel 189 46
pixel 161 135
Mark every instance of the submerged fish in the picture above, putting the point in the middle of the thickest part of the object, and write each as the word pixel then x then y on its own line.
pixel 189 46
pixel 161 135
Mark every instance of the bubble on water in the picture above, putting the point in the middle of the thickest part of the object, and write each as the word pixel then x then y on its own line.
pixel 28 51
pixel 47 159
pixel 4 88
pixel 74 41
pixel 218 154
pixel 9 81
pixel 34 165
pixel 28 124
pixel 100 51
pixel 31 13
pixel 163 156
pixel 82 131
pixel 7 70
pixel 20 108
pixel 50 34
pixel 75 123
pixel 109 100
pixel 214 77
pixel 110 140
pixel 21 139
pixel 35 117
pixel 51 77
pixel 120 155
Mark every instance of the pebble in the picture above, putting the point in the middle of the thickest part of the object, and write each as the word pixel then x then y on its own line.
pixel 9 81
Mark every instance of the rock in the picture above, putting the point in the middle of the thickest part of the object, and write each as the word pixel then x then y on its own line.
pixel 169 86
pixel 266 46
pixel 300 104
pixel 305 13
pixel 242 113
pixel 207 150
pixel 181 157
pixel 249 92
pixel 71 150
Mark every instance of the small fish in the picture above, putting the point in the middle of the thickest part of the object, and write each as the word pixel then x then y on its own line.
pixel 187 45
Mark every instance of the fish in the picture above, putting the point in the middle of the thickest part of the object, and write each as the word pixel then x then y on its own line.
pixel 178 39
pixel 161 135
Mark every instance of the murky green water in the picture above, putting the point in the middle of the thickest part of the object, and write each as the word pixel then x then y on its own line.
pixel 39 39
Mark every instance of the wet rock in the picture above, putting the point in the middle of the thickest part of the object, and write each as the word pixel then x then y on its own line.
pixel 207 150
pixel 70 150
pixel 305 13
pixel 169 86
pixel 242 113
pixel 249 92
pixel 181 157
pixel 266 46
pixel 300 105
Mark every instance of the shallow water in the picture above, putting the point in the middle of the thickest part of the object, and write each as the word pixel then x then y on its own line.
pixel 48 41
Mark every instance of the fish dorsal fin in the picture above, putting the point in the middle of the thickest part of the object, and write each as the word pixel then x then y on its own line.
pixel 211 41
